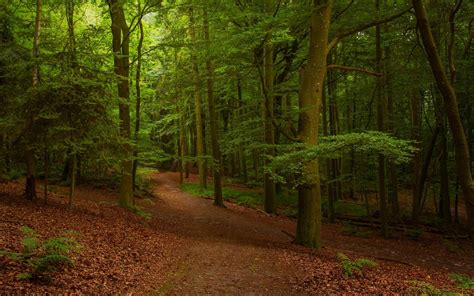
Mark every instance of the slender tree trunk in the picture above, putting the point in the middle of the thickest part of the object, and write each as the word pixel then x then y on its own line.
pixel 312 74
pixel 329 183
pixel 417 158
pixel 213 124
pixel 451 108
pixel 392 167
pixel 139 98
pixel 269 184
pixel 30 190
pixel 46 168
pixel 197 103
pixel 120 46
pixel 72 186
pixel 243 159
pixel 381 105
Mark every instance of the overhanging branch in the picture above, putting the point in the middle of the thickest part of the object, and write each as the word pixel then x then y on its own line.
pixel 363 27
pixel 355 69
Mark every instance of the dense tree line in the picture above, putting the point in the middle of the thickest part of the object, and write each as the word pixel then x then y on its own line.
pixel 326 100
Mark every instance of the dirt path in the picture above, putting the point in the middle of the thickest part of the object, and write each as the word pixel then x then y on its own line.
pixel 224 250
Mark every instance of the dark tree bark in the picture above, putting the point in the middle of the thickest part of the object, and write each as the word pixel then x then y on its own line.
pixel 30 190
pixel 381 105
pixel 269 184
pixel 213 121
pixel 139 98
pixel 461 147
pixel 120 46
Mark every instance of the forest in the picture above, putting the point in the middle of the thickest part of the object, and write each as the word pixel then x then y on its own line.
pixel 236 147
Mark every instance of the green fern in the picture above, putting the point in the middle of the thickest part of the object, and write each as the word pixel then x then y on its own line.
pixel 349 267
pixel 40 258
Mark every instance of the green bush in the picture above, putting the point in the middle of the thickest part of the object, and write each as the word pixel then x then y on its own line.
pixel 350 267
pixel 42 257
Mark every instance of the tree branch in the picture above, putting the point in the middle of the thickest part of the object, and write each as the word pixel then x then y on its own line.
pixel 356 69
pixel 363 27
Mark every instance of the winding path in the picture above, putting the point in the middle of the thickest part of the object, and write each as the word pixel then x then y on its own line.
pixel 221 251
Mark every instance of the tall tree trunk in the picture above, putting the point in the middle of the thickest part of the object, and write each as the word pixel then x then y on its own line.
pixel 417 158
pixel 451 108
pixel 392 167
pixel 197 103
pixel 381 105
pixel 120 46
pixel 138 99
pixel 30 190
pixel 213 122
pixel 243 159
pixel 328 162
pixel 312 74
pixel 269 184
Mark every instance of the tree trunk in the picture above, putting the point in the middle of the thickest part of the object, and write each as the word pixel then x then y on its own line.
pixel 30 190
pixel 197 103
pixel 243 159
pixel 461 147
pixel 120 46
pixel 213 122
pixel 308 231
pixel 417 158
pixel 381 105
pixel 269 184
pixel 139 98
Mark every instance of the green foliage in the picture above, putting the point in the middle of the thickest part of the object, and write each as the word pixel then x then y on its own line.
pixel 462 281
pixel 349 267
pixel 292 158
pixel 424 288
pixel 42 257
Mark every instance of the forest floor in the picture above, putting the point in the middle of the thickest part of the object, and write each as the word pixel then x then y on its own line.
pixel 190 247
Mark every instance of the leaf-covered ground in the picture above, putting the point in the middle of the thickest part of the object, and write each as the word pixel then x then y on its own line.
pixel 190 247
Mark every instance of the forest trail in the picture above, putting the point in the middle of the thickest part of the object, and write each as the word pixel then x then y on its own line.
pixel 224 250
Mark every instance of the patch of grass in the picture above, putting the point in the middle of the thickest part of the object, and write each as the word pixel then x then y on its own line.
pixel 453 247
pixel 248 199
pixel 351 267
pixel 414 234
pixel 352 230
pixel 141 213
pixel 462 281
pixel 344 207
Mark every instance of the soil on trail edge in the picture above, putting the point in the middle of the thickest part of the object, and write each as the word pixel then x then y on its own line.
pixel 224 250
pixel 241 251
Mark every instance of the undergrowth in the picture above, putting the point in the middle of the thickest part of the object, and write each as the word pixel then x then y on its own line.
pixel 40 258
pixel 352 267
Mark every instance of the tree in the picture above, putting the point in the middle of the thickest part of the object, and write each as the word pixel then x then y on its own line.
pixel 30 191
pixel 463 161
pixel 120 46
pixel 213 122
pixel 308 232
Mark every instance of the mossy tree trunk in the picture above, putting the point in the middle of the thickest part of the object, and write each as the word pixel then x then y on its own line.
pixel 312 74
